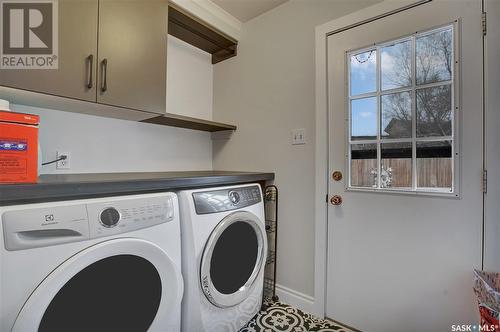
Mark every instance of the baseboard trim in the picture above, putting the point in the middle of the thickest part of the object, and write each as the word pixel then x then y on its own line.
pixel 299 300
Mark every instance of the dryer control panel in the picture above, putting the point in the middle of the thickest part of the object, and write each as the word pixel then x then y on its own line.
pixel 226 199
pixel 66 222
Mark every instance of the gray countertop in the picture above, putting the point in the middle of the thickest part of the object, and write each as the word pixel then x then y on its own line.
pixel 76 186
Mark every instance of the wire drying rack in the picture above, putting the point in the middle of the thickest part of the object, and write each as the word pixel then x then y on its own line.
pixel 271 215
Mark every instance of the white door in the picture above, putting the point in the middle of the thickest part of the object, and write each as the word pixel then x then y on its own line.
pixel 405 112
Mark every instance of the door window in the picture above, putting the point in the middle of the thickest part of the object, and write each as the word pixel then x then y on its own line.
pixel 118 293
pixel 402 112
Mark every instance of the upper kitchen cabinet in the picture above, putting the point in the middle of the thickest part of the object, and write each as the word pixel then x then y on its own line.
pixel 112 59
pixel 75 76
pixel 133 54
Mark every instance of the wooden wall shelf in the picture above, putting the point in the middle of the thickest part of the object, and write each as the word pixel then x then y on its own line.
pixel 193 31
pixel 174 120
pixel 30 98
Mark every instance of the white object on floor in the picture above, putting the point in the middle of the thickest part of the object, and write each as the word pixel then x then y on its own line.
pixel 95 262
pixel 224 250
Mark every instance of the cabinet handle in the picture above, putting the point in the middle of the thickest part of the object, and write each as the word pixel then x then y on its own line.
pixel 90 61
pixel 104 85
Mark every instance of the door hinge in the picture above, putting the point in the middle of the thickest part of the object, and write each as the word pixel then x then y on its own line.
pixel 485 181
pixel 483 21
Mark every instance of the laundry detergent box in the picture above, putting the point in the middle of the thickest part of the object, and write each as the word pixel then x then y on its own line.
pixel 18 147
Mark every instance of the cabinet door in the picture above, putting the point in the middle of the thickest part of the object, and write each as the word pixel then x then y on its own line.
pixel 133 54
pixel 77 56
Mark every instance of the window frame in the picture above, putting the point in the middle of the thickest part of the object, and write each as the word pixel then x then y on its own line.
pixel 413 88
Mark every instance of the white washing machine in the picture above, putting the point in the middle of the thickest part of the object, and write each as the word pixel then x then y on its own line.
pixel 106 264
pixel 224 249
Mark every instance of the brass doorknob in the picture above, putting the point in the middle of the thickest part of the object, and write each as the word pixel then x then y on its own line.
pixel 337 175
pixel 336 200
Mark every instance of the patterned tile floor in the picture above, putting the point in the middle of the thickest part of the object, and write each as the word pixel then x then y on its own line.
pixel 282 317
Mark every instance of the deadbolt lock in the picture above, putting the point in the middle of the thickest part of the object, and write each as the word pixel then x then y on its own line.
pixel 336 200
pixel 337 175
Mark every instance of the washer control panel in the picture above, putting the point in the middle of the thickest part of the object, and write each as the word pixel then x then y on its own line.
pixel 226 199
pixel 125 216
pixel 64 222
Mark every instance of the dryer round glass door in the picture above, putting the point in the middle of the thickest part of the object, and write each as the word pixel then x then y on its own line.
pixel 232 259
pixel 117 285
pixel 125 286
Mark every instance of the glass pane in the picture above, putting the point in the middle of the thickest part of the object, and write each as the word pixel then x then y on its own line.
pixel 363 73
pixel 434 111
pixel 117 293
pixel 396 165
pixel 364 118
pixel 364 165
pixel 434 57
pixel 396 115
pixel 395 62
pixel 434 164
pixel 234 257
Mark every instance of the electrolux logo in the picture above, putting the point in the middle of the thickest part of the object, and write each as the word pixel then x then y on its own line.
pixel 29 34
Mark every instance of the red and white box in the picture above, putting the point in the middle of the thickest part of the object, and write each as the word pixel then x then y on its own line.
pixel 18 147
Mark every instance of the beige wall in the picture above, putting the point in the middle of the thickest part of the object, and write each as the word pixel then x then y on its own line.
pixel 268 90
pixel 102 145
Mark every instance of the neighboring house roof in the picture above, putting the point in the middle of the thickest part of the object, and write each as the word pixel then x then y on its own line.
pixel 397 128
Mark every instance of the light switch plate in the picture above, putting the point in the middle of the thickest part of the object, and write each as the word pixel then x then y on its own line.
pixel 298 136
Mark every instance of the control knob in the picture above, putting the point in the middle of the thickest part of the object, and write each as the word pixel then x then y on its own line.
pixel 234 197
pixel 109 217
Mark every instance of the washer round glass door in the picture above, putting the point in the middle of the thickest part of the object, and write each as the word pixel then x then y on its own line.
pixel 232 259
pixel 115 285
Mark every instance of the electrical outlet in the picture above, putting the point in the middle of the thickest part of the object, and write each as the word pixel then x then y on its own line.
pixel 299 136
pixel 63 164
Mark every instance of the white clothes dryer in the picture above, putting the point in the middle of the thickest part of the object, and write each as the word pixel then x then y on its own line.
pixel 224 249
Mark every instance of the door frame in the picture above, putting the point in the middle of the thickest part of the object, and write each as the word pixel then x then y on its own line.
pixel 491 223
pixel 363 16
